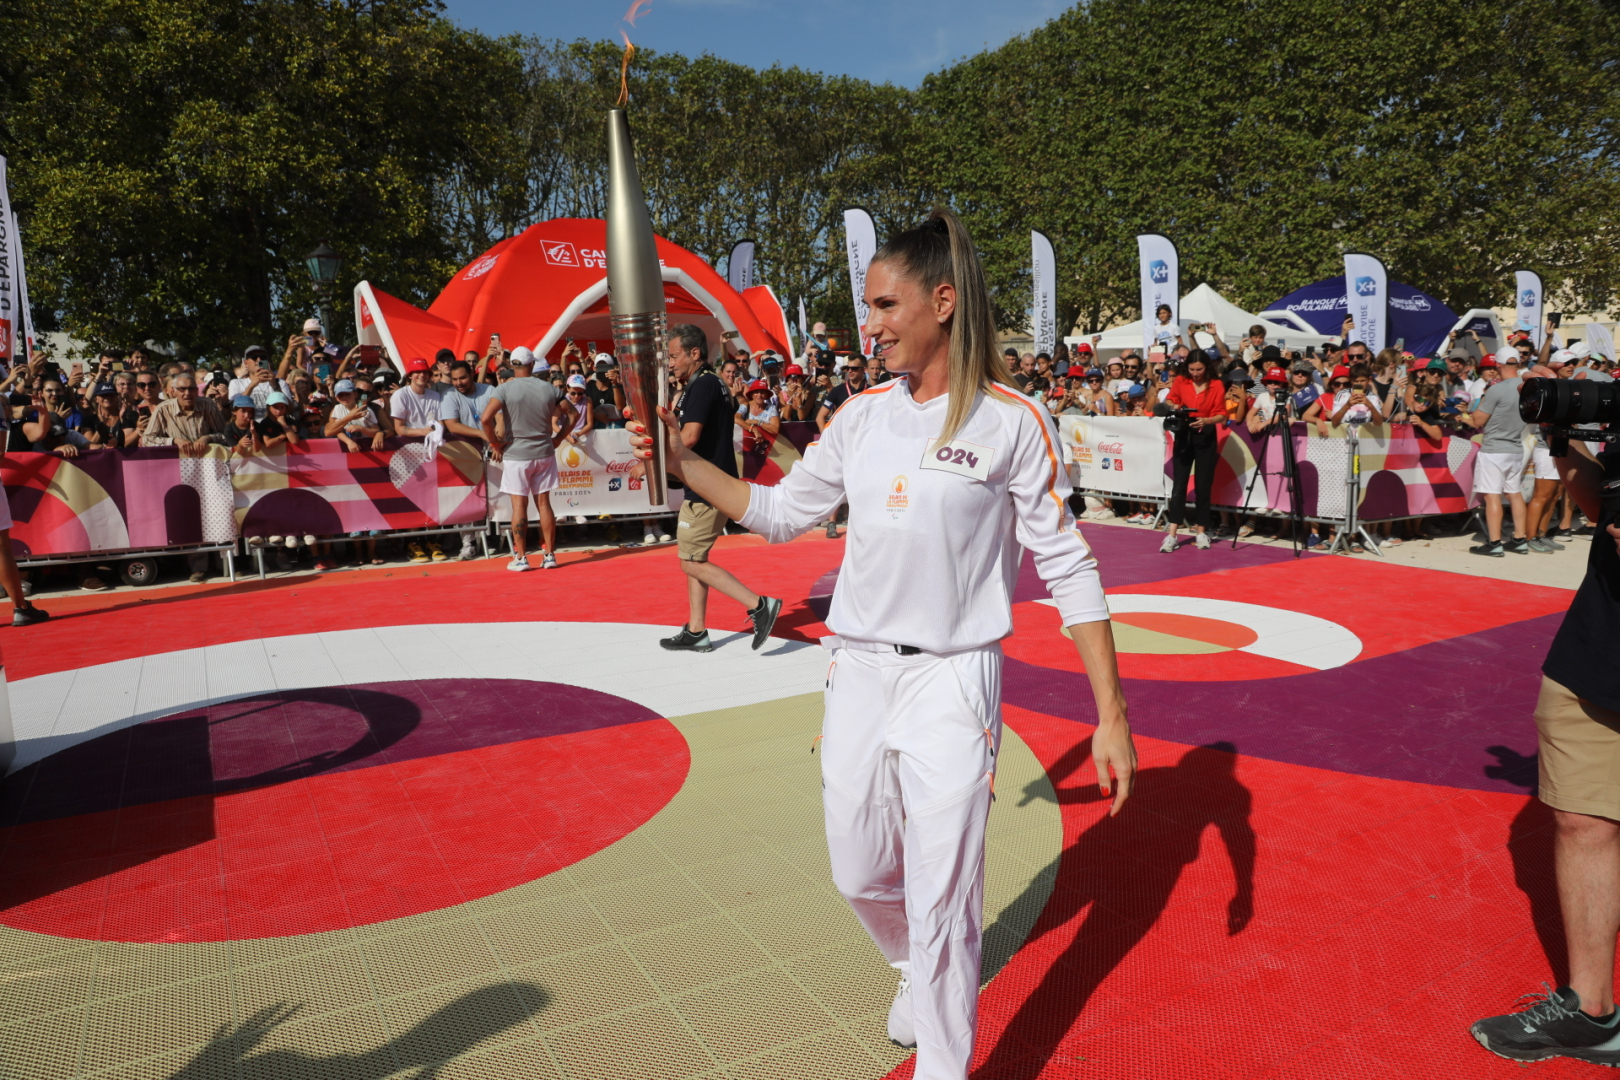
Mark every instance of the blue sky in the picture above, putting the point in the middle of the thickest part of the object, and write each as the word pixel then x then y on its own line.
pixel 896 41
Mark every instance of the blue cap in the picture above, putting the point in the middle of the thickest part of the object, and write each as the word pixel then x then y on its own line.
pixel 242 401
pixel 344 386
pixel 1094 373
pixel 1137 390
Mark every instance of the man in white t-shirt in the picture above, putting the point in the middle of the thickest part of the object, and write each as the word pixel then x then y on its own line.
pixel 416 405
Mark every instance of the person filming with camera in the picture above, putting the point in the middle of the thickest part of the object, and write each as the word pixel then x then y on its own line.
pixel 1578 727
pixel 1196 405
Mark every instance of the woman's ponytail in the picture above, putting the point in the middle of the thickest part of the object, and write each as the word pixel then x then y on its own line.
pixel 940 252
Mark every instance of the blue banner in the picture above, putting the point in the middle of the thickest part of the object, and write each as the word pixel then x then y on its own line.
pixel 1416 316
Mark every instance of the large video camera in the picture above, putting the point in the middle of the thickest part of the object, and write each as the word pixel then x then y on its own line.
pixel 1564 404
pixel 1178 421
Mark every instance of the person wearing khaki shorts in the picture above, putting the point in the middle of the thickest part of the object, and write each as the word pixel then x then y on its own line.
pixel 1578 729
pixel 706 414
pixel 698 527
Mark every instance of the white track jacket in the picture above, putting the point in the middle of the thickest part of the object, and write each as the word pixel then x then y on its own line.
pixel 935 533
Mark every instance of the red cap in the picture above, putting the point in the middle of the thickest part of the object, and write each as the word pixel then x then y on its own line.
pixel 1083 347
pixel 793 369
pixel 1488 361
pixel 1340 372
pixel 1274 374
pixel 415 364
pixel 758 385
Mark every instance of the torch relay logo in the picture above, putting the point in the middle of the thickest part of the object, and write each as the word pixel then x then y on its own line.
pixel 1366 286
pixel 1158 271
pixel 571 457
pixel 560 252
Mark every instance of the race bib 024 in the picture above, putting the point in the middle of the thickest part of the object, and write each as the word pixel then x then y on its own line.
pixel 964 458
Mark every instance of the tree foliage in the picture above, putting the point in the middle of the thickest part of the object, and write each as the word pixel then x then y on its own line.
pixel 172 160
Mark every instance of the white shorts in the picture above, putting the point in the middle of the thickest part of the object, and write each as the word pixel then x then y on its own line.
pixel 1495 474
pixel 5 510
pixel 1545 465
pixel 529 477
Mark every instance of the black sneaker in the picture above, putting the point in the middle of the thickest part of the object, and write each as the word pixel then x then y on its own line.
pixel 764 618
pixel 1493 548
pixel 1517 546
pixel 28 616
pixel 1552 1026
pixel 685 639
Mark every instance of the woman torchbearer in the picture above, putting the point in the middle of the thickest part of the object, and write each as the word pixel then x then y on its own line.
pixel 949 473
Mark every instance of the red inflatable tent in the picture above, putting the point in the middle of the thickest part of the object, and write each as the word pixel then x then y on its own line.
pixel 548 284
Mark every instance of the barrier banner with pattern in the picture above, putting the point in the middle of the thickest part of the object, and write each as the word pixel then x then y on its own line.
pixel 116 500
pixel 595 476
pixel 321 489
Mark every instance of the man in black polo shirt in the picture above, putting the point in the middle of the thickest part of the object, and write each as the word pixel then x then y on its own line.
pixel 1578 723
pixel 706 410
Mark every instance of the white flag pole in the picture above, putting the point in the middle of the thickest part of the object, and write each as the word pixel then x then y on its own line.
pixel 1529 300
pixel 860 241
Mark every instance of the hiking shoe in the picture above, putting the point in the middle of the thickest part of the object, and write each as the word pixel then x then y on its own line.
pixel 549 562
pixel 684 639
pixel 1551 1026
pixel 1493 548
pixel 436 551
pixel 902 1028
pixel 1518 546
pixel 1169 546
pixel 28 616
pixel 1201 541
pixel 519 563
pixel 764 617
pixel 1542 547
pixel 416 552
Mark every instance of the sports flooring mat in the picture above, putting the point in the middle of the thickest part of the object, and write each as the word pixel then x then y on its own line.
pixel 463 823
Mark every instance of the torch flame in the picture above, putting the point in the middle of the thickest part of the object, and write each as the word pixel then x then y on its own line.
pixel 624 68
pixel 635 11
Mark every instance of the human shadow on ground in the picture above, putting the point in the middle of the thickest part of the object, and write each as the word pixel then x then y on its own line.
pixel 1124 869
pixel 428 1048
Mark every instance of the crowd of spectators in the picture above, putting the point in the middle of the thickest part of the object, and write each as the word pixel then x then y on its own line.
pixel 258 403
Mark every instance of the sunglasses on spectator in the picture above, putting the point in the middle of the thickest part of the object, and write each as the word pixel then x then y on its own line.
pixel 147 382
pixel 1341 382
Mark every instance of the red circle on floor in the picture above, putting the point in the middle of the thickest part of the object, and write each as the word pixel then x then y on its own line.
pixel 310 810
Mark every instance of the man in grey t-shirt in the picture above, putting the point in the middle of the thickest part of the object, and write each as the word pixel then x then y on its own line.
pixel 533 408
pixel 1499 466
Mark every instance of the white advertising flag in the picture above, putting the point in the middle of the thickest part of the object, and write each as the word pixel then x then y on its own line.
pixel 740 267
pixel 1527 302
pixel 860 240
pixel 804 327
pixel 1043 267
pixel 1601 341
pixel 25 314
pixel 1161 284
pixel 1366 290
pixel 8 274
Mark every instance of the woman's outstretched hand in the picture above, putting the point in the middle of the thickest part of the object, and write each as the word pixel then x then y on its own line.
pixel 641 443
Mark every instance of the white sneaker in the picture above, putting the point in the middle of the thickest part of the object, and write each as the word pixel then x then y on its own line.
pixel 469 551
pixel 1169 546
pixel 292 542
pixel 902 1028
pixel 549 562
pixel 309 539
pixel 649 540
pixel 1201 541
pixel 519 563
pixel 273 541
pixel 664 538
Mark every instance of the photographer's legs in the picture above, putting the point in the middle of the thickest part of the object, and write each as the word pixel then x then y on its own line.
pixel 1205 454
pixel 1587 855
pixel 1181 465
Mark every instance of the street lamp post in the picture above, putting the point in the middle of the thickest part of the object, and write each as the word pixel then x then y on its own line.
pixel 323 264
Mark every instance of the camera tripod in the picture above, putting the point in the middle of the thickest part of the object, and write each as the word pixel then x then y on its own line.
pixel 1281 424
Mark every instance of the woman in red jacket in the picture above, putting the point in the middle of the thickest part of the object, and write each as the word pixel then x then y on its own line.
pixel 1195 449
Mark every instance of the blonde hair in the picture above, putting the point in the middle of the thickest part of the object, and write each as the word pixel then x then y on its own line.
pixel 940 252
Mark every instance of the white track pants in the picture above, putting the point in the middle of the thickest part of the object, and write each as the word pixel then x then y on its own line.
pixel 908 749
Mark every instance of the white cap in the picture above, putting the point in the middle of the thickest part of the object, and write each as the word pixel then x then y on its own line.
pixel 1508 356
pixel 604 358
pixel 541 365
pixel 522 356
pixel 1579 351
pixel 312 326
pixel 1562 356
pixel 576 382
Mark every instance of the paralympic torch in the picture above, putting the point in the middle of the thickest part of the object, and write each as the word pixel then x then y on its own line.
pixel 636 298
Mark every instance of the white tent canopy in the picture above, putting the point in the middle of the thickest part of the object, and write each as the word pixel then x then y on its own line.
pixel 1205 305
